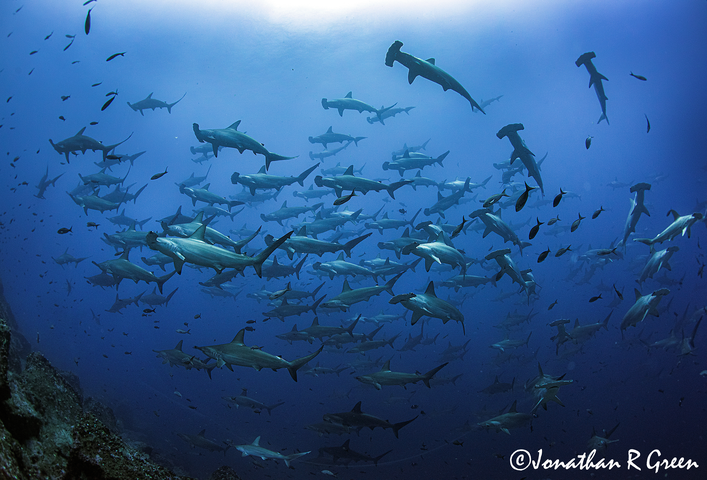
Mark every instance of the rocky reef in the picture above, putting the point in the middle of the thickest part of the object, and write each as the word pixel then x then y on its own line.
pixel 47 429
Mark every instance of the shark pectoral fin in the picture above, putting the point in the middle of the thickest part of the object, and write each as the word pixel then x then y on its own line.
pixel 416 315
pixel 412 75
pixel 428 263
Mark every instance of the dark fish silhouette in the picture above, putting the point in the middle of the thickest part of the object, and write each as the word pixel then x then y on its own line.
pixel 596 213
pixel 520 203
pixel 640 77
pixel 558 197
pixel 534 230
pixel 121 54
pixel 575 224
pixel 648 123
pixel 64 230
pixel 87 25
pixel 159 175
pixel 107 104
pixel 594 299
pixel 588 142
pixel 543 255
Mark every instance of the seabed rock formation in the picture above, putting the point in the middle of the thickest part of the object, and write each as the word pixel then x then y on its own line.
pixel 48 431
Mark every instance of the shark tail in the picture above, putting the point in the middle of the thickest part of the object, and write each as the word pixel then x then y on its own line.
pixel 603 117
pixel 169 297
pixel 646 241
pixel 396 185
pixel 378 458
pixel 352 326
pixel 170 105
pixel 605 323
pixel 397 426
pixel 274 157
pixel 138 193
pixel 262 256
pixel 299 267
pixel 108 148
pixel 357 139
pixel 164 278
pixel 352 243
pixel 302 176
pixel 442 157
pixel 389 284
pixel 271 407
pixel 412 222
pixel 142 223
pixel 300 362
pixel 428 376
pixel 316 304
pixel 209 368
pixel 288 458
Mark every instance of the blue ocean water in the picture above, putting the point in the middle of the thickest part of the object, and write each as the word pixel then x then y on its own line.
pixel 269 66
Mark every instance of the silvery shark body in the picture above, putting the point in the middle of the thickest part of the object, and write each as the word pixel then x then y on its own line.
pixel 386 377
pixel 413 161
pixel 511 419
pixel 231 137
pixel 522 152
pixel 427 304
pixel 45 183
pixel 596 79
pixel 645 305
pixel 176 356
pixel 263 181
pixel 680 226
pixel 196 250
pixel 350 103
pixel 81 143
pixel 495 224
pixel 304 245
pixel 440 251
pixel 332 137
pixel 427 69
pixel 348 181
pixel 254 449
pixel 657 260
pixel 357 419
pixel 152 103
pixel 637 208
pixel 204 195
pixel 349 296
pixel 243 400
pixel 121 268
pixel 237 353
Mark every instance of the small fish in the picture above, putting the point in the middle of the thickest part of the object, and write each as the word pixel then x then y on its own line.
pixel 494 198
pixel 280 293
pixel 594 299
pixel 402 211
pixel 158 175
pixel 64 230
pixel 459 228
pixel 8 99
pixel 92 224
pixel 18 10
pixel 128 353
pixel 89 1
pixel 70 36
pixel 61 117
pixel 70 43
pixel 640 77
pixel 87 25
pixel 562 251
pixel 458 442
pixel 648 123
pixel 345 198
pixel 252 321
pixel 107 104
pixel 149 310
pixel 93 123
pixel 121 54
pixel 558 197
pixel 250 329
pixel 596 214
pixel 33 52
pixel 621 297
pixel 96 84
pixel 112 157
pixel 198 315
pixel 588 142
pixel 47 37
pixel 176 392
pixel 543 255
pixel 575 224
pixel 112 93
pixel 534 230
pixel 327 472
pixel 75 62
pixel 184 332
pixel 30 72
pixel 552 305
pixel 65 97
pixel 520 203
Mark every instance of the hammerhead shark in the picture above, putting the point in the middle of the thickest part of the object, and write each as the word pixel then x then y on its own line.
pixel 152 103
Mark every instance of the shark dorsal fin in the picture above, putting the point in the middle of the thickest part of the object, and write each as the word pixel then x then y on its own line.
pixel 431 60
pixel 198 219
pixel 386 367
pixel 199 233
pixel 315 322
pixel 341 256
pixel 347 287
pixel 430 290
pixel 407 155
pixel 329 131
pixel 495 380
pixel 150 95
pixel 348 95
pixel 357 408
pixel 345 446
pixel 439 196
pixel 513 408
pixel 440 237
pixel 385 215
pixel 234 125
pixel 179 345
pixel 201 433
pixel 576 323
pixel 284 204
pixel 294 328
pixel 406 233
pixel 206 187
pixel 256 442
pixel 80 132
pixel 387 261
pixel 302 232
pixel 418 174
pixel 238 339
pixel 274 261
pixel 540 370
pixel 638 294
pixel 349 171
pixel 262 169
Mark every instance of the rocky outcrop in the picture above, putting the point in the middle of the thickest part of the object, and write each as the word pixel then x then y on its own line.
pixel 46 433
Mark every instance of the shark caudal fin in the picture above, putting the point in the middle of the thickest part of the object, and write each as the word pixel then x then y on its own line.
pixel 397 426
pixel 300 362
pixel 272 407
pixel 262 256
pixel 288 458
pixel 164 278
pixel 316 304
pixel 388 287
pixel 352 243
pixel 274 157
pixel 302 176
pixel 170 105
pixel 428 376
pixel 107 148
pixel 603 117
pixel 396 185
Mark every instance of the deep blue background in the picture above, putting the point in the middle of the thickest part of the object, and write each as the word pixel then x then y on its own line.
pixel 271 70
